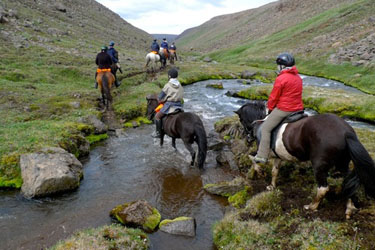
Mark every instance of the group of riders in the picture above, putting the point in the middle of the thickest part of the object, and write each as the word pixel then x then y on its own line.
pixel 285 97
pixel 107 58
pixel 155 48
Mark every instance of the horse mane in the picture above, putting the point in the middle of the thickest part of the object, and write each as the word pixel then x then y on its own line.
pixel 253 110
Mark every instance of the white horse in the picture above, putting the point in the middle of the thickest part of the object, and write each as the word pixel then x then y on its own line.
pixel 154 59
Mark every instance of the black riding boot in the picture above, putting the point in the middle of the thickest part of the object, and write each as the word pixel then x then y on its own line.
pixel 158 125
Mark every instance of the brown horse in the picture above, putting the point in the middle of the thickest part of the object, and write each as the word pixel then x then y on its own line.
pixel 105 81
pixel 172 56
pixel 185 125
pixel 326 140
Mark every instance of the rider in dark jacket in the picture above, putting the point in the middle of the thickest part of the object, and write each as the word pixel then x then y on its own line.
pixel 164 44
pixel 112 52
pixel 103 60
pixel 155 46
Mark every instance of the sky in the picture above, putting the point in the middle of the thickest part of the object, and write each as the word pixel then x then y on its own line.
pixel 175 16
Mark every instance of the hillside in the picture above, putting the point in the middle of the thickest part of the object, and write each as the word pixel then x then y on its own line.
pixel 75 27
pixel 334 38
pixel 47 65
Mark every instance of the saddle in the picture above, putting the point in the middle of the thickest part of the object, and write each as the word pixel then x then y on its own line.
pixel 293 117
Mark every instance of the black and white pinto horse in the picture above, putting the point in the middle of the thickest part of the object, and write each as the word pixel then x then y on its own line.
pixel 327 141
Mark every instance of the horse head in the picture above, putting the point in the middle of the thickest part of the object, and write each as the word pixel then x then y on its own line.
pixel 152 103
pixel 250 115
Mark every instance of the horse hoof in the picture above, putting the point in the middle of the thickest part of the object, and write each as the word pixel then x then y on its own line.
pixel 309 207
pixel 270 188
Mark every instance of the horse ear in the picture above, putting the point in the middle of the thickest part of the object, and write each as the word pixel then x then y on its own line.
pixel 237 112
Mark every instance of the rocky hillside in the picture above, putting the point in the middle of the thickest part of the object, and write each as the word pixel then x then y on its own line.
pixel 74 27
pixel 249 25
pixel 332 38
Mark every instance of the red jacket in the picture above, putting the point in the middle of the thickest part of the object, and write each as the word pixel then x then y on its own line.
pixel 286 94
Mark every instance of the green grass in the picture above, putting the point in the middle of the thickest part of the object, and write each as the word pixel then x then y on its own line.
pixel 106 237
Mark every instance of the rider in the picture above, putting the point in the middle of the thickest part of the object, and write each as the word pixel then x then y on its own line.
pixel 285 98
pixel 174 48
pixel 114 56
pixel 103 60
pixel 155 47
pixel 164 44
pixel 172 97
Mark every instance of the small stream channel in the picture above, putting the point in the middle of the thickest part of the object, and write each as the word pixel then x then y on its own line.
pixel 131 167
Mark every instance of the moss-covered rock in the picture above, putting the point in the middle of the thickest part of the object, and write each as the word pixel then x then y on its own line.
pixel 180 226
pixel 226 188
pixel 218 85
pixel 92 139
pixel 106 237
pixel 138 214
pixel 137 122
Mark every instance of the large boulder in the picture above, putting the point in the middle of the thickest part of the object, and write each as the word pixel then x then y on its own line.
pixel 247 74
pixel 179 226
pixel 51 171
pixel 137 213
pixel 100 127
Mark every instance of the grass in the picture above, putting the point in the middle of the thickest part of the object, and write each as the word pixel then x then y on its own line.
pixel 106 237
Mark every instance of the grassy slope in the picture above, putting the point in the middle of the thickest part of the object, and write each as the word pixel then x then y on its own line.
pixel 343 22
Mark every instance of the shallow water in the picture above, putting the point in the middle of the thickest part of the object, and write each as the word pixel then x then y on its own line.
pixel 126 168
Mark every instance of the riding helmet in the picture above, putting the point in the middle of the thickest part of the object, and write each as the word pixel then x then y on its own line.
pixel 285 59
pixel 104 47
pixel 111 43
pixel 173 73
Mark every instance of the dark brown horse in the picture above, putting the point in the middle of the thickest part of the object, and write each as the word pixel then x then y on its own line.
pixel 327 141
pixel 185 125
pixel 105 81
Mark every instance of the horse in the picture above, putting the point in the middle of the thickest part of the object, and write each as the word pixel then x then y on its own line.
pixel 105 80
pixel 163 53
pixel 185 125
pixel 172 56
pixel 326 140
pixel 154 58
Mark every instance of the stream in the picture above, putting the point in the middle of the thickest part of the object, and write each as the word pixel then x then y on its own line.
pixel 130 167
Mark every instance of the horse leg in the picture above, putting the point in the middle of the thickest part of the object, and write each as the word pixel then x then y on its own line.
pixel 161 139
pixel 321 170
pixel 174 143
pixel 189 147
pixel 275 172
pixel 350 208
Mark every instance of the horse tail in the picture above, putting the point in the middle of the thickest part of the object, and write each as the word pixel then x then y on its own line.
pixel 106 87
pixel 364 168
pixel 201 139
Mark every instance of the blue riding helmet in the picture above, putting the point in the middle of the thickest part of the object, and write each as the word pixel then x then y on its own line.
pixel 111 43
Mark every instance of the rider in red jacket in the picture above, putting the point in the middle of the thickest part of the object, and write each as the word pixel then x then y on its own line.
pixel 286 94
pixel 285 98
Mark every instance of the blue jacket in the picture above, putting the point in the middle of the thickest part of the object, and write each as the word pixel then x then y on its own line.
pixel 114 55
pixel 164 45
pixel 155 47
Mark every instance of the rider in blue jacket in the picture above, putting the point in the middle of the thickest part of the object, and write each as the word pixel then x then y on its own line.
pixel 155 46
pixel 115 65
pixel 164 44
